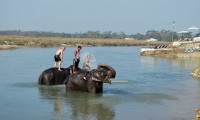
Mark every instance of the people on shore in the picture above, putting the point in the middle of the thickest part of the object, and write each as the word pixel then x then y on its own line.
pixel 76 59
pixel 58 57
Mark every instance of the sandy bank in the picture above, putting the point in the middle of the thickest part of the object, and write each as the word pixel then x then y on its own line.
pixel 6 47
pixel 189 50
pixel 196 73
pixel 23 41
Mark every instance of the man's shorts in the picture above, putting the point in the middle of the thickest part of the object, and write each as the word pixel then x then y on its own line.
pixel 76 63
pixel 57 58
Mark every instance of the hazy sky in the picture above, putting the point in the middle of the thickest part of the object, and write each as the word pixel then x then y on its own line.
pixel 70 16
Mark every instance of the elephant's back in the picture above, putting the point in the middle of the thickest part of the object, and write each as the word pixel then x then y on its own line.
pixel 52 76
pixel 56 71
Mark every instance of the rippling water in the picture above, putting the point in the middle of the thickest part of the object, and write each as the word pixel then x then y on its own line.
pixel 145 88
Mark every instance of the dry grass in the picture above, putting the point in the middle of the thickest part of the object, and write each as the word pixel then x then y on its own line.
pixel 23 41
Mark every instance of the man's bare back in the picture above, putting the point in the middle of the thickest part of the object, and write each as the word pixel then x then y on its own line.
pixel 59 58
pixel 59 52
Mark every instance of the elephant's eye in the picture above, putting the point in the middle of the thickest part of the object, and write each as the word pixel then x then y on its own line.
pixel 100 73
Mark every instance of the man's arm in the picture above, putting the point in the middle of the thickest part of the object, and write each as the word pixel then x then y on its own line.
pixel 75 52
pixel 61 54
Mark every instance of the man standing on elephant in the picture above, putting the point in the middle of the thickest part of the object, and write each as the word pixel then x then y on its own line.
pixel 59 58
pixel 76 59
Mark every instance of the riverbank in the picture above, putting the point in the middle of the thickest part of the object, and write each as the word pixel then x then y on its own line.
pixel 6 47
pixel 10 42
pixel 187 50
pixel 196 73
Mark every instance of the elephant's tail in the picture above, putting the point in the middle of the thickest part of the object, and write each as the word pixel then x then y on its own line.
pixel 40 80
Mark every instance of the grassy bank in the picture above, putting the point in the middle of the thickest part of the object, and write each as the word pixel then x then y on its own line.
pixel 22 41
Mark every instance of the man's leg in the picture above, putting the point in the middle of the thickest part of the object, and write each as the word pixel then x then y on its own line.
pixel 75 66
pixel 74 69
pixel 59 66
pixel 55 64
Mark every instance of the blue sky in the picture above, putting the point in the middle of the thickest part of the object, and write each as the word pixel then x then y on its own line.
pixel 70 16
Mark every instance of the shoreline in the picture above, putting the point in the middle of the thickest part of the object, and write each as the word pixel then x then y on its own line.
pixel 186 50
pixel 196 73
pixel 11 42
pixel 190 50
pixel 9 47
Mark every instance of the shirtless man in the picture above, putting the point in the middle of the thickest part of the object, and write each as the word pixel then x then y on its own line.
pixel 59 58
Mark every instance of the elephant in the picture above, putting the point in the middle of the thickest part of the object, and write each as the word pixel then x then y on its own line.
pixel 94 81
pixel 53 76
pixel 75 82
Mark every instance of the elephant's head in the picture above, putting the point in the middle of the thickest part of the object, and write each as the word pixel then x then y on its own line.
pixel 104 74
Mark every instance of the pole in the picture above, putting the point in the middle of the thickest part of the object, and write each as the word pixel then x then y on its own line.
pixel 173 25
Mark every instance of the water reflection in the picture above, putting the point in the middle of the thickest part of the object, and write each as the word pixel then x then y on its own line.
pixel 189 63
pixel 82 105
pixel 52 95
pixel 57 107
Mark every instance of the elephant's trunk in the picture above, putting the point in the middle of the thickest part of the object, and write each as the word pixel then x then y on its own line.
pixel 113 72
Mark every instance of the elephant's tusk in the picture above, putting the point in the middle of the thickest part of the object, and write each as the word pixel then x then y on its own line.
pixel 110 80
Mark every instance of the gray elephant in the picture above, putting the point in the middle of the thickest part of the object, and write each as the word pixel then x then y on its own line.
pixel 94 81
pixel 75 82
pixel 52 76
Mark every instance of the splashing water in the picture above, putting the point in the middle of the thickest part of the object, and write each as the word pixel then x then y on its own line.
pixel 92 61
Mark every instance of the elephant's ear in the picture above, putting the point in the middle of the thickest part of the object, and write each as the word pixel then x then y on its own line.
pixel 108 68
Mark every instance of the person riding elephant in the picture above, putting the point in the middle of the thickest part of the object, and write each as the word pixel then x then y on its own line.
pixel 75 82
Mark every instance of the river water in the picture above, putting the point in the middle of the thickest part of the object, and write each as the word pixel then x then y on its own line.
pixel 145 88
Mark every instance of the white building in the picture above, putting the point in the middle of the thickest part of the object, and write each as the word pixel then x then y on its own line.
pixel 152 40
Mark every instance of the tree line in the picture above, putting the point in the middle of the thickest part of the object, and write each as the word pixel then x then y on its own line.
pixel 163 35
